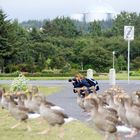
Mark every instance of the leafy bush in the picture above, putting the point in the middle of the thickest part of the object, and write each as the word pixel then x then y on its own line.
pixel 135 73
pixel 19 83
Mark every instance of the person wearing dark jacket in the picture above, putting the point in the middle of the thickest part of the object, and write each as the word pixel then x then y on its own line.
pixel 80 82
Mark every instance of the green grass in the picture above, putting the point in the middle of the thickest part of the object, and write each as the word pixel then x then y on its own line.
pixel 119 76
pixel 72 131
pixel 42 89
pixel 49 90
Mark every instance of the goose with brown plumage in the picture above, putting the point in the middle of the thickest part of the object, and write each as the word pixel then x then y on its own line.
pixel 34 99
pixel 53 117
pixel 136 97
pixel 108 111
pixel 89 105
pixel 4 101
pixel 115 90
pixel 110 101
pixel 103 122
pixel 121 109
pixel 2 91
pixel 80 98
pixel 19 114
pixel 132 115
pixel 32 102
pixel 34 90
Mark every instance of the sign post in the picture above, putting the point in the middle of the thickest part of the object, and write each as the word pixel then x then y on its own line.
pixel 128 36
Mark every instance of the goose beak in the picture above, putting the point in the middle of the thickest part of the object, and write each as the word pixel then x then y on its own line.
pixel 27 92
pixel 6 94
pixel 35 95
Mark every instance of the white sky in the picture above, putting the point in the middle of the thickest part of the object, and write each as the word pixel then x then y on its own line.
pixel 48 9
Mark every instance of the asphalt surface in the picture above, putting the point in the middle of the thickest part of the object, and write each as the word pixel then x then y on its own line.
pixel 67 99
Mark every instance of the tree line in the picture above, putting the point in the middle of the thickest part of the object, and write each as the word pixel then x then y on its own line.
pixel 66 44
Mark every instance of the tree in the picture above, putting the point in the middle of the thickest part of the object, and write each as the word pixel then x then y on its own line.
pixel 122 19
pixel 121 63
pixel 60 27
pixel 35 35
pixel 95 28
pixel 7 40
pixel 136 63
pixel 57 62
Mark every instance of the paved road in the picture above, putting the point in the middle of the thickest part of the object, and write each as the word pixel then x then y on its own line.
pixel 67 99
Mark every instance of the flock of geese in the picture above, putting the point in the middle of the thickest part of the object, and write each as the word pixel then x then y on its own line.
pixel 107 110
pixel 111 109
pixel 21 104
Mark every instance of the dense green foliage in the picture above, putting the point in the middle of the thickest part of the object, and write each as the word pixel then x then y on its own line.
pixel 67 45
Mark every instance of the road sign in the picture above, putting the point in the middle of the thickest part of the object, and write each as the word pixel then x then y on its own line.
pixel 129 32
pixel 128 35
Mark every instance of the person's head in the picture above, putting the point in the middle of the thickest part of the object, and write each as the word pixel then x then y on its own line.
pixel 79 76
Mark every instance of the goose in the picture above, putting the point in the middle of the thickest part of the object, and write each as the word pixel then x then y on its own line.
pixel 115 90
pixel 80 99
pixel 121 109
pixel 104 108
pixel 20 103
pixel 38 98
pixel 2 91
pixel 103 122
pixel 103 105
pixel 132 115
pixel 19 114
pixel 34 90
pixel 53 117
pixel 110 100
pixel 89 104
pixel 32 102
pixel 4 101
pixel 80 102
pixel 136 97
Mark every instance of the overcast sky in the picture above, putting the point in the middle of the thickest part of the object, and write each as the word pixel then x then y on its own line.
pixel 49 9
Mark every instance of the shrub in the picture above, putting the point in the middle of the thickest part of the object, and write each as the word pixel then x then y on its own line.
pixel 19 83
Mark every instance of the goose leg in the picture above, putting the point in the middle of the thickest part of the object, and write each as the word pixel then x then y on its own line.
pixel 46 131
pixel 61 134
pixel 15 125
pixel 41 121
pixel 117 137
pixel 43 132
pixel 106 136
pixel 29 128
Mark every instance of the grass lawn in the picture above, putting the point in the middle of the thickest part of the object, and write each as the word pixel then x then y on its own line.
pixel 42 89
pixel 75 130
pixel 72 131
pixel 119 76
